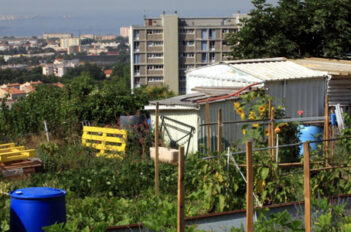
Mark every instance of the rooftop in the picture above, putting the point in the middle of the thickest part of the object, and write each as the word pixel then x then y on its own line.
pixel 332 66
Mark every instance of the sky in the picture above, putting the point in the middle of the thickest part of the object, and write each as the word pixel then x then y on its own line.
pixel 106 14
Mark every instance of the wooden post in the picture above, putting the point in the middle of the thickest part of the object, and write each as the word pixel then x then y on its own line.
pixel 208 127
pixel 326 131
pixel 306 170
pixel 249 188
pixel 219 143
pixel 273 133
pixel 269 125
pixel 156 152
pixel 180 218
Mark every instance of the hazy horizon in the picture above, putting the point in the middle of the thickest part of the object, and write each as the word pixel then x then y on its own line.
pixel 36 17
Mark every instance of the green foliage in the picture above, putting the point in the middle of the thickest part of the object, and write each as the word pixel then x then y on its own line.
pixel 294 29
pixel 22 75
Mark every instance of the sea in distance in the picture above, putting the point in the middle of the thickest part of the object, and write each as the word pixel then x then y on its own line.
pixel 91 24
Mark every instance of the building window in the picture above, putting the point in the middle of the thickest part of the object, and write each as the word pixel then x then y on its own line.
pixel 212 45
pixel 136 34
pixel 136 70
pixel 155 79
pixel 212 33
pixel 154 43
pixel 212 57
pixel 188 55
pixel 203 33
pixel 155 67
pixel 154 55
pixel 182 78
pixel 189 66
pixel 136 46
pixel 136 58
pixel 204 45
pixel 186 31
pixel 149 32
pixel 190 43
pixel 225 31
pixel 204 57
pixel 137 82
pixel 157 31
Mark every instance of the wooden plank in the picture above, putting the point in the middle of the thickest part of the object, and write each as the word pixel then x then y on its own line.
pixel 181 209
pixel 273 134
pixel 156 151
pixel 269 125
pixel 249 188
pixel 307 190
pixel 104 130
pixel 9 149
pixel 219 137
pixel 208 127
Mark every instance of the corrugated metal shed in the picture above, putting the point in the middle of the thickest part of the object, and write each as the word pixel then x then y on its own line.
pixel 339 85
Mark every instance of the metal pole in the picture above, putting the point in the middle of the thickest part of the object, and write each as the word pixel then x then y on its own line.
pixel 46 131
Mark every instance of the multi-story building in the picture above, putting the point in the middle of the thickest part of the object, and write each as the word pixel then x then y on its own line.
pixel 124 32
pixel 57 35
pixel 68 42
pixel 164 48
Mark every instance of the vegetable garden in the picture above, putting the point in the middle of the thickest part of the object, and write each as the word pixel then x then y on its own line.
pixel 106 192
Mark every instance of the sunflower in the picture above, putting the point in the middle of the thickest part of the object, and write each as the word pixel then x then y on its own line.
pixel 255 125
pixel 266 131
pixel 262 108
pixel 240 111
pixel 236 105
pixel 251 115
pixel 244 132
pixel 242 116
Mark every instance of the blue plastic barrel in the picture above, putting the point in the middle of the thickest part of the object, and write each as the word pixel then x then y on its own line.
pixel 36 207
pixel 310 133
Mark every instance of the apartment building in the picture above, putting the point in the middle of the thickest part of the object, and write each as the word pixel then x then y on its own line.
pixel 164 48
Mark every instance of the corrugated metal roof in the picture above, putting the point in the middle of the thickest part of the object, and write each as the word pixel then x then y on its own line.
pixel 275 69
pixel 333 67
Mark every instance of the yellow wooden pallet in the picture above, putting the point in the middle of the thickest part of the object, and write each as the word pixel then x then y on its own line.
pixel 111 142
pixel 15 153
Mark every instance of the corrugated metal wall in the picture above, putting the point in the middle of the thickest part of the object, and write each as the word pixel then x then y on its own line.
pixel 307 95
pixel 231 133
pixel 339 91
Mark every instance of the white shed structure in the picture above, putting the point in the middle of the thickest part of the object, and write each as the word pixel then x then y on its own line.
pixel 293 85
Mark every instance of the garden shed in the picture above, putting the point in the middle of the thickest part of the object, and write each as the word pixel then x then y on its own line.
pixel 339 83
pixel 293 85
pixel 190 109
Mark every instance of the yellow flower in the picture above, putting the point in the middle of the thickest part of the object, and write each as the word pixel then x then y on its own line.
pixel 240 111
pixel 262 108
pixel 255 125
pixel 242 116
pixel 251 115
pixel 244 132
pixel 236 105
pixel 277 130
pixel 266 132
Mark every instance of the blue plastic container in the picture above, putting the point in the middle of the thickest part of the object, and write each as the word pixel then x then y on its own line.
pixel 310 133
pixel 333 119
pixel 36 207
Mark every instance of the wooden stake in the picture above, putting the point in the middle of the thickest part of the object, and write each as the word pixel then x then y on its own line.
pixel 208 127
pixel 326 131
pixel 156 152
pixel 219 143
pixel 249 188
pixel 306 170
pixel 180 218
pixel 269 125
pixel 273 133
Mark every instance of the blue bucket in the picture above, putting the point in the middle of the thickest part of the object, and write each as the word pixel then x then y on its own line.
pixel 310 133
pixel 33 208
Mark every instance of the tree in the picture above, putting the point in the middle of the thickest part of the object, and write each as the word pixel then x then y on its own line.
pixel 294 28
